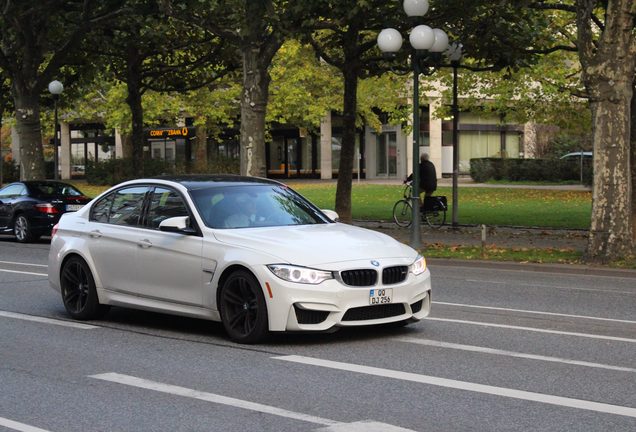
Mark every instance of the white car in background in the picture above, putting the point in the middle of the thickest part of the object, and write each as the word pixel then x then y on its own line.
pixel 248 252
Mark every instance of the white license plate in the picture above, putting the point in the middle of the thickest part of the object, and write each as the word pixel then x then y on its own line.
pixel 73 207
pixel 380 296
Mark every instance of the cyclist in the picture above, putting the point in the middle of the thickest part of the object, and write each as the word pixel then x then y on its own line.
pixel 428 176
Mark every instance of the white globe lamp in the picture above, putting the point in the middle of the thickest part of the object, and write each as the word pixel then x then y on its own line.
pixel 389 40
pixel 415 8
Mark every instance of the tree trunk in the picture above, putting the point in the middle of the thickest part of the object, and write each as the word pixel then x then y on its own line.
pixel 345 169
pixel 633 163
pixel 27 114
pixel 611 226
pixel 133 99
pixel 608 74
pixel 253 109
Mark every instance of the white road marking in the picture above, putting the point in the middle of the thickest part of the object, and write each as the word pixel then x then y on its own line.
pixel 47 320
pixel 19 426
pixel 23 272
pixel 532 329
pixel 23 263
pixel 536 312
pixel 467 386
pixel 485 350
pixel 534 285
pixel 210 397
pixel 363 426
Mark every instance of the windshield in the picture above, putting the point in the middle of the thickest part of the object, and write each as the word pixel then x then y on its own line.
pixel 254 206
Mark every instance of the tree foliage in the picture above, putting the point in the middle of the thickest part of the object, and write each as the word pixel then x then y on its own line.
pixel 155 48
pixel 36 41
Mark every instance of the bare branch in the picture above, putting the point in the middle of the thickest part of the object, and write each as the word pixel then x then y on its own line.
pixel 541 5
pixel 552 49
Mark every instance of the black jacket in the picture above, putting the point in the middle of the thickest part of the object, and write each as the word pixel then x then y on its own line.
pixel 428 177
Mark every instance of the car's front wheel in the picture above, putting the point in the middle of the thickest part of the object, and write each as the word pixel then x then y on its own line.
pixel 78 290
pixel 243 309
pixel 22 230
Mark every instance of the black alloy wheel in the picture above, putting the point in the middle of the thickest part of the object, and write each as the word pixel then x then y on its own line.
pixel 243 309
pixel 78 290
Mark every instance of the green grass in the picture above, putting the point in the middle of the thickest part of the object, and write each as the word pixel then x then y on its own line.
pixel 492 252
pixel 490 206
pixel 535 183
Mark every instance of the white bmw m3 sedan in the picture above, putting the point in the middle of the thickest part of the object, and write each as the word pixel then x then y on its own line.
pixel 246 251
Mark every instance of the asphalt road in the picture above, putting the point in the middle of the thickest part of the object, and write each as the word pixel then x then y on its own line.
pixel 504 350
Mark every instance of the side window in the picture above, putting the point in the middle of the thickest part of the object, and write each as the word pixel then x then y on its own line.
pixel 13 191
pixel 165 203
pixel 101 209
pixel 127 206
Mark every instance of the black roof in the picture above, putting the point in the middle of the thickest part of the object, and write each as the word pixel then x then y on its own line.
pixel 201 181
pixel 43 182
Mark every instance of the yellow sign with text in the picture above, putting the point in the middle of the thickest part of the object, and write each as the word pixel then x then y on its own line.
pixel 161 133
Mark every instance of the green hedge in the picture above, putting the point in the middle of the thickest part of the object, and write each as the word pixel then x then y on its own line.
pixel 551 170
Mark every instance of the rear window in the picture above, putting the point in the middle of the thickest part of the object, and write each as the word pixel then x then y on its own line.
pixel 54 189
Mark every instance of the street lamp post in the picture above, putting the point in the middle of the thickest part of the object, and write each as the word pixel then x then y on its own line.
pixel 424 41
pixel 56 88
pixel 455 55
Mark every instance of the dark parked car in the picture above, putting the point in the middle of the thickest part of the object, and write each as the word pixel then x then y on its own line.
pixel 30 209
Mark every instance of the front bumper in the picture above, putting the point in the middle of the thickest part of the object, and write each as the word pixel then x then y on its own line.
pixel 304 307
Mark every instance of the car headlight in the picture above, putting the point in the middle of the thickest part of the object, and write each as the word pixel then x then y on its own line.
pixel 419 266
pixel 297 274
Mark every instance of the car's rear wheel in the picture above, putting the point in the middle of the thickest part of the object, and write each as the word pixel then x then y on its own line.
pixel 78 290
pixel 243 309
pixel 22 230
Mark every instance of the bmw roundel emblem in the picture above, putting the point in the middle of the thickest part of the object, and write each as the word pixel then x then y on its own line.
pixel 375 263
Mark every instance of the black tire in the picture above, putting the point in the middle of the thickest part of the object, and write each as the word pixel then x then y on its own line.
pixel 403 213
pixel 436 218
pixel 78 290
pixel 243 309
pixel 22 230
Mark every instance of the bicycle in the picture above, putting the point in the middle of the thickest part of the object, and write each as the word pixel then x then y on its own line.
pixel 432 210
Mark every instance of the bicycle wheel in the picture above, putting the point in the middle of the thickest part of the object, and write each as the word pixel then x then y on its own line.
pixel 435 218
pixel 403 213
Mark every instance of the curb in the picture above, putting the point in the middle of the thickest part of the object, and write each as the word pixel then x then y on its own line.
pixel 576 269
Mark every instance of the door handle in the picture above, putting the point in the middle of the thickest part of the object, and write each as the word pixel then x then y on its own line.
pixel 145 243
pixel 95 234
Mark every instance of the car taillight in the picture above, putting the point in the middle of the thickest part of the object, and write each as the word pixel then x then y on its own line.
pixel 54 230
pixel 47 208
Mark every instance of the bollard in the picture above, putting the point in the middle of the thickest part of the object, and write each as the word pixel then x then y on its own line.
pixel 483 241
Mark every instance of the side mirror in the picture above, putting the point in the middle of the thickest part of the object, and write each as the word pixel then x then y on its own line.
pixel 331 215
pixel 177 224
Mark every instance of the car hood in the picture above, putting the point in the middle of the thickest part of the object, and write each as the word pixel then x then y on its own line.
pixel 321 244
